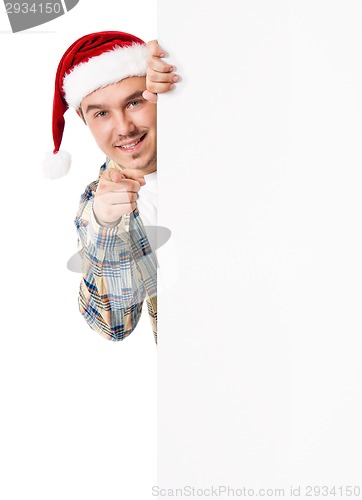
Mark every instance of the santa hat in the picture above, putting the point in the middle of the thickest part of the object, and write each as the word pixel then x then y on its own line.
pixel 92 62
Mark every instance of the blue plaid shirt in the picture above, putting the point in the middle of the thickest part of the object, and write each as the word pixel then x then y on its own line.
pixel 119 271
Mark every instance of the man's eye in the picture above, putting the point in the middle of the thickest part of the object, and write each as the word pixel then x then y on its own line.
pixel 132 104
pixel 100 114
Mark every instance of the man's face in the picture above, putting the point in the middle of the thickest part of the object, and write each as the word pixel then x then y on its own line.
pixel 123 123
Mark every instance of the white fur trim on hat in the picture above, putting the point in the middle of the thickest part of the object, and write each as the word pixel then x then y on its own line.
pixel 56 165
pixel 107 68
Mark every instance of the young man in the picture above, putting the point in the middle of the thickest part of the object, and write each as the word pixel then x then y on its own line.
pixel 112 79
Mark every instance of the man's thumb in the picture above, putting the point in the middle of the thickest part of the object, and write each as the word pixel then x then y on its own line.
pixel 149 96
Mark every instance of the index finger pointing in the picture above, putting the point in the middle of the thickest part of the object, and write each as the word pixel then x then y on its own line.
pixel 112 175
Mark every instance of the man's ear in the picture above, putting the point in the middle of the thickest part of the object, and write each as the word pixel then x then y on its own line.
pixel 80 114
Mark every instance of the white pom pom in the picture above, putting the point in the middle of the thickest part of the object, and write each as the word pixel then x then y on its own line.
pixel 56 165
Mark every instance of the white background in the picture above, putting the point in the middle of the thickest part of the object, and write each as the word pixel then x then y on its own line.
pixel 78 413
pixel 260 153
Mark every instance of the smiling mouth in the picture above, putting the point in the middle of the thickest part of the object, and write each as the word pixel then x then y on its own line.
pixel 132 146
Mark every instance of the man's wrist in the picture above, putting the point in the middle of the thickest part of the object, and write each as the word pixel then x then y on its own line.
pixel 106 224
pixel 110 237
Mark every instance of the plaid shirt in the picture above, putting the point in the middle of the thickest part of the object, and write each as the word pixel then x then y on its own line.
pixel 119 271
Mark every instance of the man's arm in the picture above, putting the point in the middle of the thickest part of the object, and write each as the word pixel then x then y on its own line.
pixel 111 291
pixel 160 76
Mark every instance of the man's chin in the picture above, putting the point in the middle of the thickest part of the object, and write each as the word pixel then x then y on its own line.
pixel 136 164
pixel 143 160
pixel 143 166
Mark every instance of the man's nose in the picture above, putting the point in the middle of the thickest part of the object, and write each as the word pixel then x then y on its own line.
pixel 123 125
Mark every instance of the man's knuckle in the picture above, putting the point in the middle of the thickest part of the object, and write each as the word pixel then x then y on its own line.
pixel 152 87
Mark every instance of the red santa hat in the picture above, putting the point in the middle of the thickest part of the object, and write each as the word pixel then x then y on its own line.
pixel 92 62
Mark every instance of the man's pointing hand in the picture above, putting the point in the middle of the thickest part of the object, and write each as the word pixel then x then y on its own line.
pixel 116 195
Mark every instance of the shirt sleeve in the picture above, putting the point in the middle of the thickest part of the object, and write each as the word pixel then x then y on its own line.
pixel 111 292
